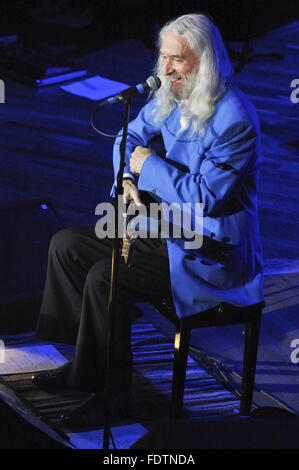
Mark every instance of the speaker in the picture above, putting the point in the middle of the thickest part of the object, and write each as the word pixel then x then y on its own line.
pixel 275 432
pixel 25 233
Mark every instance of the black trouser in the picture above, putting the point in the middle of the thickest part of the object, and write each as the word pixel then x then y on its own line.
pixel 74 307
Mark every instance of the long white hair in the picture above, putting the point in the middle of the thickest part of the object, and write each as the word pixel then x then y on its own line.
pixel 214 74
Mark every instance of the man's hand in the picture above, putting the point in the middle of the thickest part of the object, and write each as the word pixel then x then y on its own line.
pixel 131 192
pixel 138 158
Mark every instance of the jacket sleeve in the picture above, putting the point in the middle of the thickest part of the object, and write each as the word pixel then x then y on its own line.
pixel 224 166
pixel 140 131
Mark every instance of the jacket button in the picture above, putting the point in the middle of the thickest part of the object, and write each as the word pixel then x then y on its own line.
pixel 191 257
pixel 220 308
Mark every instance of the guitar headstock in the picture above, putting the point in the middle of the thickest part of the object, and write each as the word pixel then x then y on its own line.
pixel 127 249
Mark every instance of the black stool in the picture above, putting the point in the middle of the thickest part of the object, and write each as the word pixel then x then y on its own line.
pixel 223 314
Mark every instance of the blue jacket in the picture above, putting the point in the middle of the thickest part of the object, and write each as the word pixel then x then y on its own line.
pixel 220 170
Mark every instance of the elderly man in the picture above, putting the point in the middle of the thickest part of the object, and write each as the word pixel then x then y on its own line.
pixel 212 139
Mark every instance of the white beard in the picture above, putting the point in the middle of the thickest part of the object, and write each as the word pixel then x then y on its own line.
pixel 185 90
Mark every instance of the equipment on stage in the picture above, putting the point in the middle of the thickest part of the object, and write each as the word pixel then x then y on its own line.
pixel 151 84
pixel 35 68
pixel 20 428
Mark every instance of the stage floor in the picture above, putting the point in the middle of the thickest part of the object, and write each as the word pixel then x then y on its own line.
pixel 205 397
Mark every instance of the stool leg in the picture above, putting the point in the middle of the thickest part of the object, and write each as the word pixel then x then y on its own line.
pixel 249 363
pixel 181 348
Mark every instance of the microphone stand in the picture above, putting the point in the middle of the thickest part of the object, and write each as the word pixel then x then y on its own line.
pixel 112 303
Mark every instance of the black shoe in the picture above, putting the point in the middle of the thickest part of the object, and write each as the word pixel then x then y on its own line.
pixel 56 378
pixel 92 412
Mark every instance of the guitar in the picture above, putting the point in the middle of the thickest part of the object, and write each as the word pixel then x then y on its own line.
pixel 130 234
pixel 127 248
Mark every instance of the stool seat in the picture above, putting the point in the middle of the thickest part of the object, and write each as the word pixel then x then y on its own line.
pixel 223 315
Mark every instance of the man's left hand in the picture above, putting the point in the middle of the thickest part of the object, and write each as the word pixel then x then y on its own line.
pixel 138 158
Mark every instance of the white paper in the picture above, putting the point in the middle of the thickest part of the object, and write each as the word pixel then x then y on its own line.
pixel 30 359
pixel 124 437
pixel 95 88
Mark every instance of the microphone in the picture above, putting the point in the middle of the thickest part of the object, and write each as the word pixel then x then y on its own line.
pixel 151 84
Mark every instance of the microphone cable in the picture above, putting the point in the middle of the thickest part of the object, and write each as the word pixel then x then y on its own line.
pixel 91 119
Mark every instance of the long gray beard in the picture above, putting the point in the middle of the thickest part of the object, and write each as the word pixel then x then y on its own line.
pixel 185 91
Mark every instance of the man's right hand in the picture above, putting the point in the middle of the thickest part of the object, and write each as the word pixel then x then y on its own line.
pixel 131 193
